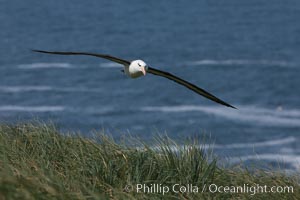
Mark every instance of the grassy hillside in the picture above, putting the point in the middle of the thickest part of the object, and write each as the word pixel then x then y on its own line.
pixel 37 162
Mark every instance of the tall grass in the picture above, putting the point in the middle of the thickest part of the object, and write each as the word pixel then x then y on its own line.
pixel 38 162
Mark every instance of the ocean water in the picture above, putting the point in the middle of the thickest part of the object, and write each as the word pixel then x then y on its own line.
pixel 245 52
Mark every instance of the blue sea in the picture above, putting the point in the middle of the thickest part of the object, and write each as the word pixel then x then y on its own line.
pixel 244 52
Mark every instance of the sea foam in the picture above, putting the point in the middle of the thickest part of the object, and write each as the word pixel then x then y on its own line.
pixel 14 108
pixel 249 114
pixel 45 65
pixel 240 62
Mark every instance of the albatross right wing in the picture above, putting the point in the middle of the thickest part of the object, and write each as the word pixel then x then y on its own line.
pixel 188 85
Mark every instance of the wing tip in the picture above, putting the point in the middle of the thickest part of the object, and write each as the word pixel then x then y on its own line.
pixel 233 107
pixel 228 105
pixel 35 50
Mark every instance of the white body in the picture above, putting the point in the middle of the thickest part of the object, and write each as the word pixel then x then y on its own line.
pixel 137 68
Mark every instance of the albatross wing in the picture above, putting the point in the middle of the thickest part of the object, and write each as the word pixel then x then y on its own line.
pixel 188 85
pixel 108 57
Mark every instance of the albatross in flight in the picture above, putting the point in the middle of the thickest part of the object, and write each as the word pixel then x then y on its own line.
pixel 138 68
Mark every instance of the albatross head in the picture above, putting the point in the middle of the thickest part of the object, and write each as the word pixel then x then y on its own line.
pixel 137 68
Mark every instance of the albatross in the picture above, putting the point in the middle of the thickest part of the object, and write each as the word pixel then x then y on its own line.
pixel 138 68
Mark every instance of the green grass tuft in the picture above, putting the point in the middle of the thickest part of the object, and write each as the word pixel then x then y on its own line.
pixel 37 162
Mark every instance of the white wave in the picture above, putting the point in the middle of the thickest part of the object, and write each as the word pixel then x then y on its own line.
pixel 18 89
pixel 95 110
pixel 243 62
pixel 261 116
pixel 110 65
pixel 13 108
pixel 44 65
pixel 282 141
pixel 292 159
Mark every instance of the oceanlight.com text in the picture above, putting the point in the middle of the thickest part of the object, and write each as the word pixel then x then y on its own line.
pixel 250 189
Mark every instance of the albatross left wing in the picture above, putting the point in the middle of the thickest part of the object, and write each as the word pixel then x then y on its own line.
pixel 108 57
pixel 188 85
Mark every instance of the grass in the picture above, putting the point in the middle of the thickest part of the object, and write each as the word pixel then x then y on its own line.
pixel 37 162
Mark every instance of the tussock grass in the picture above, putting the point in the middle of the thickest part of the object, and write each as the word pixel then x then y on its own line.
pixel 37 162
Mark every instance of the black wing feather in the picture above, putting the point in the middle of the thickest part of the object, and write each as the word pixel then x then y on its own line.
pixel 108 57
pixel 188 85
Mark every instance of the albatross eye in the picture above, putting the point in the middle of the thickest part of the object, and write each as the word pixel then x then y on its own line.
pixel 139 64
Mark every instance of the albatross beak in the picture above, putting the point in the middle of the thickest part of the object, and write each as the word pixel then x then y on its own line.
pixel 143 70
